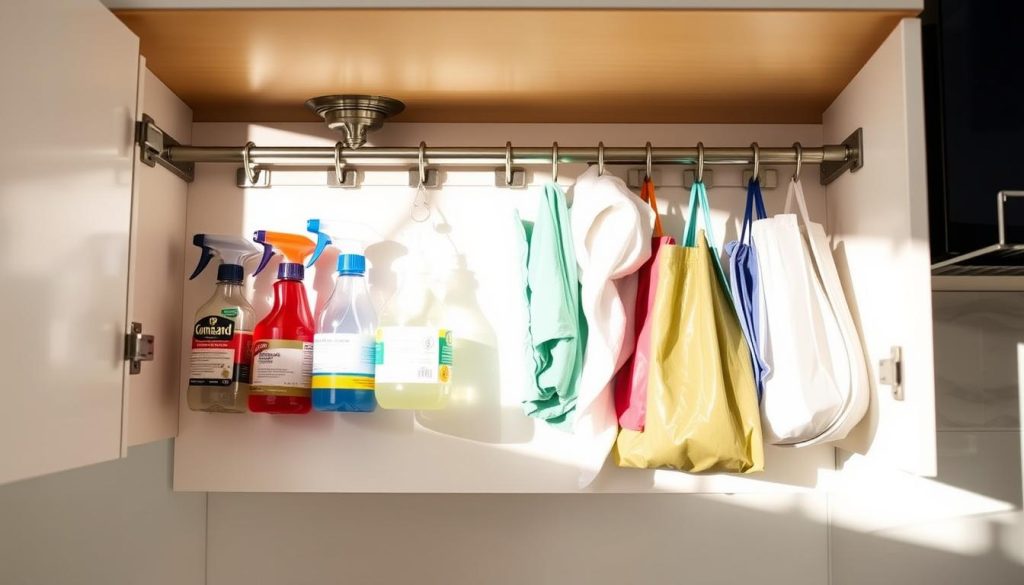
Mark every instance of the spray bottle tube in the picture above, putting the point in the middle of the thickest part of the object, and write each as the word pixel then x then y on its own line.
pixel 221 356
pixel 283 340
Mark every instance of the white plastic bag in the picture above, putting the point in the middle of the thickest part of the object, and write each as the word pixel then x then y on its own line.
pixel 857 398
pixel 818 376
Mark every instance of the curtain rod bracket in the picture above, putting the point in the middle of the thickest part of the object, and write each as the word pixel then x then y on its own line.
pixel 153 145
pixel 854 143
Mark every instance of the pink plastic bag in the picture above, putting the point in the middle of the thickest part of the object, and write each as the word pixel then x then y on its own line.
pixel 631 380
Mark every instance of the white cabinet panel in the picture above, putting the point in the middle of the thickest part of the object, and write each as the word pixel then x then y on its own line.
pixel 878 217
pixel 70 73
pixel 157 263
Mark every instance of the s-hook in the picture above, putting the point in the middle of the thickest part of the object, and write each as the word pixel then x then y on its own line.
pixel 757 161
pixel 338 148
pixel 422 163
pixel 700 162
pixel 508 163
pixel 799 160
pixel 600 159
pixel 650 161
pixel 251 172
pixel 421 203
pixel 554 162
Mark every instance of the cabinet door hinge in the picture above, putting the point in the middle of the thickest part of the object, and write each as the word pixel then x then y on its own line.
pixel 138 348
pixel 890 372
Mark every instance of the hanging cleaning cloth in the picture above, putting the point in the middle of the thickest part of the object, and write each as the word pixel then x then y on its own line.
pixel 631 381
pixel 746 285
pixel 557 329
pixel 612 230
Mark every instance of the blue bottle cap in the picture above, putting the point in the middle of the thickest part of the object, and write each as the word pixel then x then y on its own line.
pixel 351 265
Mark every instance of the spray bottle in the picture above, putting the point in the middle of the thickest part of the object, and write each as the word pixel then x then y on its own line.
pixel 283 340
pixel 219 370
pixel 343 348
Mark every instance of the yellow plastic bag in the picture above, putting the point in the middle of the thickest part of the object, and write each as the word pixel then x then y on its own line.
pixel 702 412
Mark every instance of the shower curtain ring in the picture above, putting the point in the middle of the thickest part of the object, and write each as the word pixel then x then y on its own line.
pixel 799 160
pixel 600 159
pixel 757 161
pixel 554 162
pixel 338 148
pixel 422 163
pixel 508 164
pixel 700 162
pixel 650 161
pixel 251 172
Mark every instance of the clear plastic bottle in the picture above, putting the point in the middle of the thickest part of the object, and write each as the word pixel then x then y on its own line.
pixel 344 347
pixel 414 352
pixel 222 331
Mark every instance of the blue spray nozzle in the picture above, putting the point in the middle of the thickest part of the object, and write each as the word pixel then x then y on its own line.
pixel 322 240
pixel 233 251
pixel 351 238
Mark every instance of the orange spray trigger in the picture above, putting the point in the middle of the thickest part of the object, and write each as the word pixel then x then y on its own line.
pixel 294 247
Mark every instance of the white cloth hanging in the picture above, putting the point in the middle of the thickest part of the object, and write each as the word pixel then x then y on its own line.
pixel 611 230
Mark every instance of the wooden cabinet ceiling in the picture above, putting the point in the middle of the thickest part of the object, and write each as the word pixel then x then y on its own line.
pixel 630 66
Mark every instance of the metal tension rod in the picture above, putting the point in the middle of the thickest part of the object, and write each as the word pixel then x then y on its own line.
pixel 323 156
pixel 157 147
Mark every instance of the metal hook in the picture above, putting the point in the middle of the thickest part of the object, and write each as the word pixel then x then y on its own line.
pixel 252 173
pixel 338 148
pixel 423 163
pixel 600 159
pixel 508 163
pixel 757 161
pixel 650 161
pixel 554 162
pixel 799 160
pixel 700 162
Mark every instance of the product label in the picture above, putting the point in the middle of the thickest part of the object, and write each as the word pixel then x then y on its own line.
pixel 414 355
pixel 220 354
pixel 282 367
pixel 229 312
pixel 343 361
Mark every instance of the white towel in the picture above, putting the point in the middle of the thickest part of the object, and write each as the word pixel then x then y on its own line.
pixel 611 230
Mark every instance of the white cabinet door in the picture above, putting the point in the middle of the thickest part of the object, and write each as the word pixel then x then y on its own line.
pixel 69 72
pixel 157 265
pixel 879 220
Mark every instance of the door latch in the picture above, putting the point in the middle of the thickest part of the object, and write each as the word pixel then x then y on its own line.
pixel 138 348
pixel 890 372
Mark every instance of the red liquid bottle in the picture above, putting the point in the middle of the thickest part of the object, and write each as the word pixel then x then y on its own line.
pixel 283 340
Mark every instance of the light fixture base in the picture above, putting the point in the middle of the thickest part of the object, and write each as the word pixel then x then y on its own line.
pixel 354 115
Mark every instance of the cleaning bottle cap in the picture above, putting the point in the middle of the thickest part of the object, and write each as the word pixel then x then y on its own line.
pixel 233 251
pixel 294 247
pixel 351 265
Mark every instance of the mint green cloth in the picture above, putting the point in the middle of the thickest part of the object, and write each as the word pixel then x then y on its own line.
pixel 557 327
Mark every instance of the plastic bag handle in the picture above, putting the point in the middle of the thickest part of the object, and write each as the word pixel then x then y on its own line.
pixel 699 200
pixel 754 209
pixel 796 193
pixel 647 194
